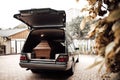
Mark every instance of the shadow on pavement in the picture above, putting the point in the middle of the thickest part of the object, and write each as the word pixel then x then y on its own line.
pixel 56 75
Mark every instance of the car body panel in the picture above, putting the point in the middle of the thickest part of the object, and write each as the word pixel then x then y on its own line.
pixel 48 64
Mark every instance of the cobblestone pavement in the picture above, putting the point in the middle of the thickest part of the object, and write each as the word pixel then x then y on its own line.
pixel 82 73
pixel 10 70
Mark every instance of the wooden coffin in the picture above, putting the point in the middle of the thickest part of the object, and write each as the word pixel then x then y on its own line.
pixel 42 50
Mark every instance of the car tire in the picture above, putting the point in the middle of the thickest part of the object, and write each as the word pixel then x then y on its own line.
pixel 77 60
pixel 71 70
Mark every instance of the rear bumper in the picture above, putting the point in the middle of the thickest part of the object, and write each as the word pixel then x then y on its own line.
pixel 44 66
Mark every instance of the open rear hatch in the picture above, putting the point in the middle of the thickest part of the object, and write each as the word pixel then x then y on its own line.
pixel 47 27
pixel 42 18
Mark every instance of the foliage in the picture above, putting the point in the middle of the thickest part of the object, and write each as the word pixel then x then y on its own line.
pixel 106 30
pixel 73 27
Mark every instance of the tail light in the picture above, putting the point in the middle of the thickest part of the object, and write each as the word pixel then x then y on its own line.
pixel 23 57
pixel 62 58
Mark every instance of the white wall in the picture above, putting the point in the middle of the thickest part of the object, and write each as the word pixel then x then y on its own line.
pixel 16 45
pixel 7 44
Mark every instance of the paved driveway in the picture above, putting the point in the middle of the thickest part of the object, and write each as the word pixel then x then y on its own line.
pixel 10 70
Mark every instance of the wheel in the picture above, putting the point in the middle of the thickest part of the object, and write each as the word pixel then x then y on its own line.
pixel 71 70
pixel 77 60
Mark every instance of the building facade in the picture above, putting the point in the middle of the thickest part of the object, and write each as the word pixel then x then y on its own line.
pixel 12 40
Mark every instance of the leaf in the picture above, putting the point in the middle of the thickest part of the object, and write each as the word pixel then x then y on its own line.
pixel 117 51
pixel 109 48
pixel 102 64
pixel 114 15
pixel 88 18
pixel 92 29
pixel 102 29
pixel 99 5
pixel 102 51
pixel 116 26
pixel 84 9
pixel 77 0
pixel 93 26
pixel 117 37
pixel 93 15
pixel 82 24
pixel 91 2
pixel 90 34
